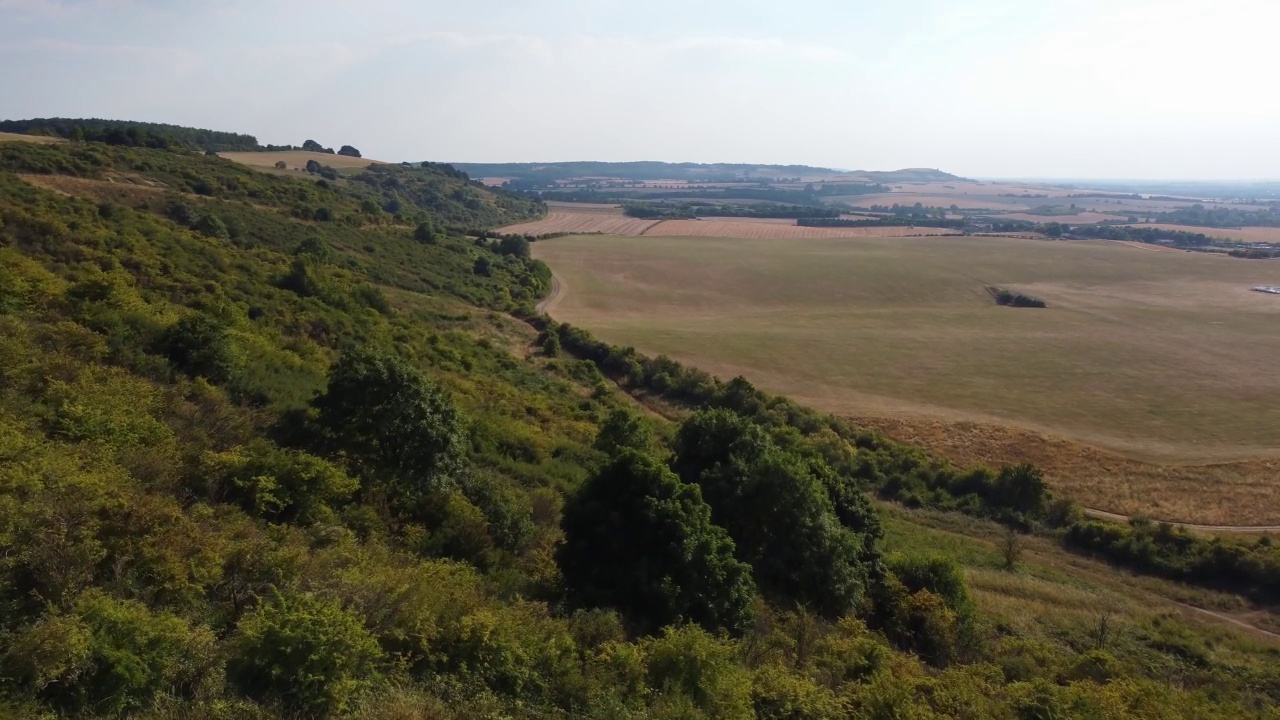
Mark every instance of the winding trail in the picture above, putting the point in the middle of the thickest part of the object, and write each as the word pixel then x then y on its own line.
pixel 557 291
pixel 1242 529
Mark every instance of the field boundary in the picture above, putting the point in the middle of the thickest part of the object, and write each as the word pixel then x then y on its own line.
pixel 1238 529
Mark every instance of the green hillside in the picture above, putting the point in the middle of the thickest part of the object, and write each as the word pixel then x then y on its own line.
pixel 276 447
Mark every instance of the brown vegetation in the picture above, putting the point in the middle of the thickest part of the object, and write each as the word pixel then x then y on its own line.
pixel 15 137
pixel 297 159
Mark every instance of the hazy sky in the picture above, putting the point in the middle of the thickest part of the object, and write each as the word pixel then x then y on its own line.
pixel 1025 88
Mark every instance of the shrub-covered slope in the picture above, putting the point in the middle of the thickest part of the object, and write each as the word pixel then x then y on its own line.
pixel 261 461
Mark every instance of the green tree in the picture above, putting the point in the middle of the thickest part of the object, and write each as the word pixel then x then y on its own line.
pixel 623 430
pixel 349 151
pixel 200 346
pixel 304 652
pixel 426 233
pixel 396 427
pixel 312 146
pixel 640 541
pixel 482 267
pixel 211 225
pixel 777 511
pixel 516 245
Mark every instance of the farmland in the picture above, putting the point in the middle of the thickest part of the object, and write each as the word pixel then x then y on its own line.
pixel 1156 361
pixel 587 218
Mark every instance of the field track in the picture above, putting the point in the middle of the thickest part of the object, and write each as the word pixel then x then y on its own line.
pixel 549 302
pixel 1239 529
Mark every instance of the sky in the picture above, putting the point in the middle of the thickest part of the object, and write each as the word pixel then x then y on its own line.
pixel 980 88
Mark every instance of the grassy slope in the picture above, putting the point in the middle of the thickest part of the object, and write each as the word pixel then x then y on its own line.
pixel 103 450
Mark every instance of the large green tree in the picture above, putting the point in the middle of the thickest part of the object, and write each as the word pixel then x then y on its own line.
pixel 397 428
pixel 639 540
pixel 777 510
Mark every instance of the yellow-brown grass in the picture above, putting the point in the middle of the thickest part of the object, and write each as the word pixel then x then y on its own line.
pixel 15 137
pixel 773 231
pixel 1240 493
pixel 1247 235
pixel 1162 358
pixel 297 159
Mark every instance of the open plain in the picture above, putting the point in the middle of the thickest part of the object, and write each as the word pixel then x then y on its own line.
pixel 1160 362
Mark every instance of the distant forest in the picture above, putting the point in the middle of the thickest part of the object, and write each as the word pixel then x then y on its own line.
pixel 136 134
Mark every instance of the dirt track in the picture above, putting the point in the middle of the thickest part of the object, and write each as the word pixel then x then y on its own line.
pixel 1241 529
pixel 557 290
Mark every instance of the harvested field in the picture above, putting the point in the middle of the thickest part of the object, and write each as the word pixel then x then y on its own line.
pixel 582 222
pixel 1082 217
pixel 17 137
pixel 970 201
pixel 773 231
pixel 1161 359
pixel 297 159
pixel 1245 235
pixel 731 219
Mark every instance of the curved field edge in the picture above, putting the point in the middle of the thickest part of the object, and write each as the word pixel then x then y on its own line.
pixel 696 303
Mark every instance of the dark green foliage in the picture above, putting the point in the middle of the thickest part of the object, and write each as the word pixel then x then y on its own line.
pixel 639 540
pixel 514 245
pixel 1013 299
pixel 426 233
pixel 778 513
pixel 307 652
pixel 200 346
pixel 395 427
pixel 623 430
pixel 1251 569
pixel 349 151
pixel 926 608
pixel 134 134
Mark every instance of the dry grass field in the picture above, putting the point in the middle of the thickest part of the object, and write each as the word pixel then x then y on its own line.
pixel 1159 360
pixel 15 137
pixel 297 159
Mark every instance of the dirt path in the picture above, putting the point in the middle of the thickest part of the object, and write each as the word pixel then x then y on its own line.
pixel 1242 529
pixel 557 291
